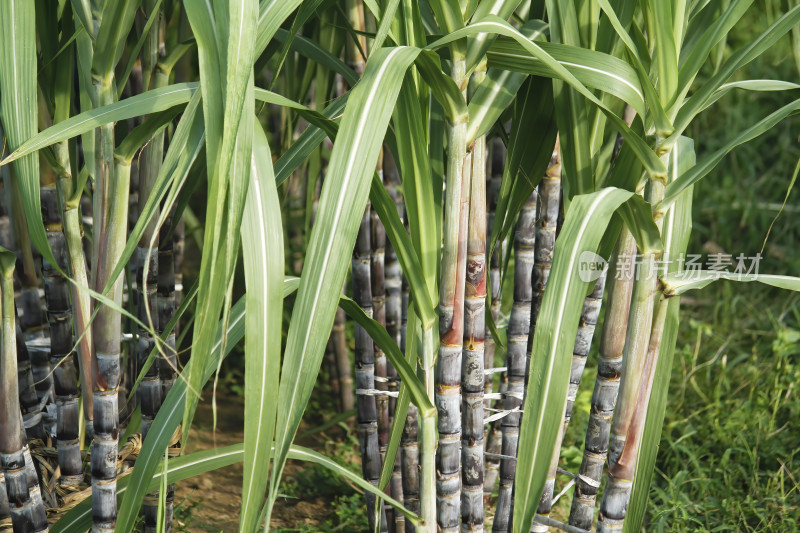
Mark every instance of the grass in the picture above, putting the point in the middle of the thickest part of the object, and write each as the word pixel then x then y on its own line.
pixel 729 451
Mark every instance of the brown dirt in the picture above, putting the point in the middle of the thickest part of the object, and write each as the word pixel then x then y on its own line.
pixel 211 502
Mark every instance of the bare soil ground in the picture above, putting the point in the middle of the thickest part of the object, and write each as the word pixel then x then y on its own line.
pixel 211 502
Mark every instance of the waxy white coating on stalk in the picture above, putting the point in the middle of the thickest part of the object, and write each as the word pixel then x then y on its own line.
pixel 517 338
pixel 473 379
pixel 604 396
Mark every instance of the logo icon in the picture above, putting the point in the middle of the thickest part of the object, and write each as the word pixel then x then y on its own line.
pixel 590 266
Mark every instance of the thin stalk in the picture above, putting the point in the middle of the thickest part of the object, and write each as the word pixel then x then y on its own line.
pixel 409 442
pixel 473 379
pixel 494 437
pixel 409 453
pixel 378 281
pixel 427 440
pixel 451 320
pixel 32 317
pixel 367 410
pixel 31 408
pixel 59 317
pixel 517 342
pixel 333 372
pixel 343 368
pixel 606 387
pixel 25 513
pixel 583 342
pixel 393 284
pixel 75 261
pixel 109 232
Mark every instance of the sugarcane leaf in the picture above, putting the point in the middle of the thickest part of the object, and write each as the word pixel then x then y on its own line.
pixel 300 453
pixel 533 125
pixel 584 224
pixel 308 141
pixel 226 38
pixel 677 227
pixel 693 57
pixel 262 246
pixel 497 90
pixel 386 209
pixel 443 88
pixel 666 50
pixel 171 411
pixel 315 52
pixel 134 53
pixel 750 85
pixel 342 202
pixel 18 107
pixel 79 518
pixel 142 104
pixel 479 44
pixel 117 21
pixel 593 69
pixel 448 14
pixel 656 106
pixel 414 165
pixel 145 131
pixel 271 14
pixel 679 283
pixel 707 164
pixel 159 100
pixel 382 339
pixel 740 58
pixel 168 418
pixel 638 216
pixel 184 148
pixel 554 68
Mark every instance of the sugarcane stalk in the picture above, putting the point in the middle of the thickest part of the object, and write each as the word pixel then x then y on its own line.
pixel 343 368
pixel 72 246
pixel 451 319
pixel 393 284
pixel 642 345
pixel 110 224
pixel 583 342
pixel 378 281
pixel 409 453
pixel 606 387
pixel 59 316
pixel 367 410
pixel 150 393
pixel 494 438
pixel 473 379
pixel 32 318
pixel 517 342
pixel 26 512
pixel 427 439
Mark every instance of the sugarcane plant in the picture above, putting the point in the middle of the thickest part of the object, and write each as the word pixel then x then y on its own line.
pixel 436 133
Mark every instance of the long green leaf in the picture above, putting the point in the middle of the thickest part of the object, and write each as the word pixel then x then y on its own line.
pixel 678 283
pixel 262 246
pixel 18 108
pixel 225 42
pixel 342 202
pixel 554 68
pixel 708 163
